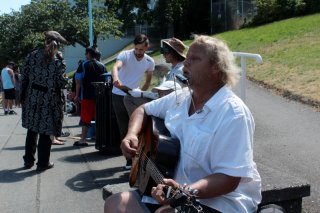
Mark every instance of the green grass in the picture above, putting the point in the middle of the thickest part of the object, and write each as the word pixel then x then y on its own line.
pixel 291 53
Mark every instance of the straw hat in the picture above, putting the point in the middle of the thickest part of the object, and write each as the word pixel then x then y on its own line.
pixel 177 45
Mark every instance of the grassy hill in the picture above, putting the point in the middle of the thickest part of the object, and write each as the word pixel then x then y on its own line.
pixel 291 53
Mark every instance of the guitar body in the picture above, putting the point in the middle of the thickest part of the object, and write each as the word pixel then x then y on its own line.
pixel 156 151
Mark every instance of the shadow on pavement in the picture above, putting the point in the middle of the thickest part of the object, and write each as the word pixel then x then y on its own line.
pixel 59 148
pixel 71 126
pixel 14 148
pixel 16 175
pixel 85 157
pixel 96 179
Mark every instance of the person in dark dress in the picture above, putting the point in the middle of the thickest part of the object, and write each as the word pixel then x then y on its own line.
pixel 42 106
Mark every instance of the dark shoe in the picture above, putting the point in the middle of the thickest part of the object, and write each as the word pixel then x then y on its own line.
pixel 65 134
pixel 43 168
pixel 128 164
pixel 11 112
pixel 28 165
pixel 78 143
pixel 6 112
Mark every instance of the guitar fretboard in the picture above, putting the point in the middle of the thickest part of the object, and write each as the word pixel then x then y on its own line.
pixel 153 170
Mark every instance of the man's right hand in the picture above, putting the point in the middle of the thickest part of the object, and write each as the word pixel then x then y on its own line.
pixel 117 83
pixel 129 146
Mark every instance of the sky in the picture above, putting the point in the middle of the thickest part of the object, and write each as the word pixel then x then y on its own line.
pixel 6 5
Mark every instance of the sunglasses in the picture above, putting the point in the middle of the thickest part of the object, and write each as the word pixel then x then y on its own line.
pixel 165 50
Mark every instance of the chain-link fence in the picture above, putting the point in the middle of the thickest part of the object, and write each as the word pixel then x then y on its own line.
pixel 231 14
pixel 150 31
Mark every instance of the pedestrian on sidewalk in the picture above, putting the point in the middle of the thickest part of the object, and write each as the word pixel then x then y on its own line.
pixel 17 77
pixel 2 95
pixel 8 83
pixel 127 72
pixel 88 72
pixel 42 109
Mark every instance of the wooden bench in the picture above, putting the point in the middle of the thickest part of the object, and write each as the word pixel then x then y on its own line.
pixel 281 189
pixel 289 198
pixel 277 188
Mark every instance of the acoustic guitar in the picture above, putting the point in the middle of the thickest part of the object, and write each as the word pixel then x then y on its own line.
pixel 156 158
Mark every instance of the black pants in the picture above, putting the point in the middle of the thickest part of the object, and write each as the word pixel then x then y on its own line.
pixel 121 114
pixel 44 147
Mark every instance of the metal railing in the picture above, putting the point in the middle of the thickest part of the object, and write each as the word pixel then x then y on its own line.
pixel 243 56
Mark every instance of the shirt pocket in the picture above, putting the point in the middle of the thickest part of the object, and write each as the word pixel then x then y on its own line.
pixel 198 145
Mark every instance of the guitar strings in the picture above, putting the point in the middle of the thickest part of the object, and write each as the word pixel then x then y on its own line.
pixel 155 173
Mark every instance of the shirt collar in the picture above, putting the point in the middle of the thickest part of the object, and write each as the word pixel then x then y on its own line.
pixel 178 65
pixel 218 97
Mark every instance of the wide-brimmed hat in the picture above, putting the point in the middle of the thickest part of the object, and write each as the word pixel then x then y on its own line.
pixel 55 36
pixel 167 85
pixel 176 45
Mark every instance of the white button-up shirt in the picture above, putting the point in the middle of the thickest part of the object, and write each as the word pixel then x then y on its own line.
pixel 216 139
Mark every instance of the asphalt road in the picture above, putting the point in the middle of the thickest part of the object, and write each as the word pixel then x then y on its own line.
pixel 287 139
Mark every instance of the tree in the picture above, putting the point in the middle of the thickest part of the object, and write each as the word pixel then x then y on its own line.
pixel 184 16
pixel 130 12
pixel 22 31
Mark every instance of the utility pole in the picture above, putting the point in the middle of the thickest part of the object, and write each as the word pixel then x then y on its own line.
pixel 242 9
pixel 90 22
pixel 225 14
pixel 211 17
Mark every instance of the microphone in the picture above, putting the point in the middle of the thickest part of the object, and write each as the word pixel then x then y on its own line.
pixel 182 78
pixel 185 81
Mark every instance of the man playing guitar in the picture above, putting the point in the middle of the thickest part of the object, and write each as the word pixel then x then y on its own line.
pixel 215 129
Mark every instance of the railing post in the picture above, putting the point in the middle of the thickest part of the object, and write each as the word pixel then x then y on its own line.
pixel 243 78
pixel 243 57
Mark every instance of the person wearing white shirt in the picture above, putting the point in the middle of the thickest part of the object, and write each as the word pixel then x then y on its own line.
pixel 215 129
pixel 127 72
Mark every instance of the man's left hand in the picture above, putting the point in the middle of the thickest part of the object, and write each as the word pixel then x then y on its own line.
pixel 158 192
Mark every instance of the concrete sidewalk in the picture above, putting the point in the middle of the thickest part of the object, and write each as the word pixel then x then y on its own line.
pixel 73 185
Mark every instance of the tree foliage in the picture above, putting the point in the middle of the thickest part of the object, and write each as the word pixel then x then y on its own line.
pixel 177 17
pixel 183 16
pixel 274 10
pixel 130 12
pixel 21 32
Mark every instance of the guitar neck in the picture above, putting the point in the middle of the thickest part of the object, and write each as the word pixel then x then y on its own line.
pixel 154 172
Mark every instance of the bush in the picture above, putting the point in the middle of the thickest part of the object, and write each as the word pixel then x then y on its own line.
pixel 274 10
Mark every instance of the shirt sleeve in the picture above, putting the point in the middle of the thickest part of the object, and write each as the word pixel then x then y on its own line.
pixel 151 65
pixel 159 107
pixel 122 57
pixel 80 72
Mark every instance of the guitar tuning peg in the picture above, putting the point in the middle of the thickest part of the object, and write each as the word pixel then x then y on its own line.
pixel 195 192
